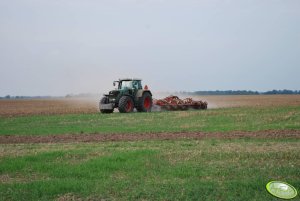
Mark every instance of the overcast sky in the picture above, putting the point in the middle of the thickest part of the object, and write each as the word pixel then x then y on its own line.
pixel 56 47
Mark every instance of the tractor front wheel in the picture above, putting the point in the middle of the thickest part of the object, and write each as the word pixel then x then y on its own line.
pixel 126 104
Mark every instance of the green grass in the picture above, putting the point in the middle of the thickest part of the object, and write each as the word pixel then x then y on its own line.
pixel 221 120
pixel 208 169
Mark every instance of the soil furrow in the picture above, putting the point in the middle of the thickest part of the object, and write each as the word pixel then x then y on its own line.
pixel 15 139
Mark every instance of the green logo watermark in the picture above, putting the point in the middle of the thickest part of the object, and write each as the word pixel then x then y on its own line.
pixel 281 189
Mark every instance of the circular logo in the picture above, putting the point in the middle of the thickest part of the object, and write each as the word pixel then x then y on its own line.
pixel 281 189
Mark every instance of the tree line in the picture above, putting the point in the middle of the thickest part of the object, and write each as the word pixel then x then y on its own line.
pixel 25 97
pixel 246 92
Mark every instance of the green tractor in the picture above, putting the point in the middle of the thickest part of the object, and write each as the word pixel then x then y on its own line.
pixel 128 95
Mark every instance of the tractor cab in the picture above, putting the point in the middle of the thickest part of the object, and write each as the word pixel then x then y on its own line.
pixel 128 84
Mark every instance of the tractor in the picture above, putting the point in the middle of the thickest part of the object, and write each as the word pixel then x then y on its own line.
pixel 129 94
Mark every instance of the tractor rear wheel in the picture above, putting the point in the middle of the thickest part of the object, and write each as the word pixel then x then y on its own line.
pixel 104 100
pixel 145 103
pixel 126 104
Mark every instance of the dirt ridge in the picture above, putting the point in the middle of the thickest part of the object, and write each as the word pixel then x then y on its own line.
pixel 101 137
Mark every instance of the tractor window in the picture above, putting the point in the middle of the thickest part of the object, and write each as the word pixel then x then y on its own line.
pixel 136 84
pixel 126 84
pixel 140 85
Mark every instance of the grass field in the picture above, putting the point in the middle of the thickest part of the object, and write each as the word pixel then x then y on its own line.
pixel 220 120
pixel 181 169
pixel 149 170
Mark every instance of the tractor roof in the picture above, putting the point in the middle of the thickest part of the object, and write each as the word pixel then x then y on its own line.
pixel 130 79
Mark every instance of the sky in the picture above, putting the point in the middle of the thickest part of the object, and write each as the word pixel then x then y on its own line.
pixel 58 47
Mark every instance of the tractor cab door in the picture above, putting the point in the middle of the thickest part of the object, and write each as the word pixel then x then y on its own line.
pixel 136 86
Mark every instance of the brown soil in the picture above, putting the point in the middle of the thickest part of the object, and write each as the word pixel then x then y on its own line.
pixel 25 107
pixel 90 105
pixel 12 139
pixel 250 100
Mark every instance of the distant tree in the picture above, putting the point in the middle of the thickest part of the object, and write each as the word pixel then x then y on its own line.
pixel 245 92
pixel 7 97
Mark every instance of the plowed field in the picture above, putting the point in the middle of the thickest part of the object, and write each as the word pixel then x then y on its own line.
pixel 90 105
pixel 269 134
pixel 24 107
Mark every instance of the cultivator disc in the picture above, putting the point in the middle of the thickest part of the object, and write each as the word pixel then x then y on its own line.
pixel 175 103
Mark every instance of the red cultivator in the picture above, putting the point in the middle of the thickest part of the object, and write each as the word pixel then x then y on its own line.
pixel 175 103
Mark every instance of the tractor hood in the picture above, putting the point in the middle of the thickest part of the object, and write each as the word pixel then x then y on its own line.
pixel 113 93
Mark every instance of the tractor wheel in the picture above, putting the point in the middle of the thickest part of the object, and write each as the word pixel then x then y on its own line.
pixel 126 104
pixel 105 100
pixel 145 103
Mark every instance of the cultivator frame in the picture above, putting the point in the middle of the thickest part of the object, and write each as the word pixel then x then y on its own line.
pixel 175 103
